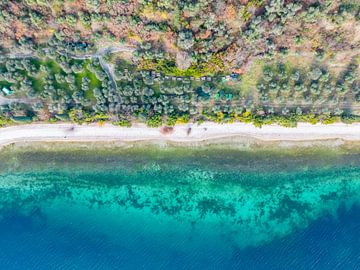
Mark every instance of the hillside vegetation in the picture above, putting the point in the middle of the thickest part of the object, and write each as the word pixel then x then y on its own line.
pixel 166 61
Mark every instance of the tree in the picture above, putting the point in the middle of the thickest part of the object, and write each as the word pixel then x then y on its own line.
pixel 185 40
pixel 315 74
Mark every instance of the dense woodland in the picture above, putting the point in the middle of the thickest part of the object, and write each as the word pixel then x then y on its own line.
pixel 164 62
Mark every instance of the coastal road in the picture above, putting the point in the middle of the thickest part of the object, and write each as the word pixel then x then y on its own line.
pixel 191 133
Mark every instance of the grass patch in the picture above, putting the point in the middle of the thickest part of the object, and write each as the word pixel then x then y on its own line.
pixel 38 84
pixel 53 66
pixel 94 82
pixel 248 82
pixel 5 84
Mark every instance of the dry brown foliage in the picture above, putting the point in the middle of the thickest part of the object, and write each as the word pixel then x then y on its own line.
pixel 166 130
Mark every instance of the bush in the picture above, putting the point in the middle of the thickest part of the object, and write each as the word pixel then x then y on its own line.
pixel 183 119
pixel 122 123
pixel 4 121
pixel 171 120
pixel 154 121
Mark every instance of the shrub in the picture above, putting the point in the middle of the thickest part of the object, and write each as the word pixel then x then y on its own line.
pixel 183 119
pixel 171 120
pixel 122 123
pixel 154 121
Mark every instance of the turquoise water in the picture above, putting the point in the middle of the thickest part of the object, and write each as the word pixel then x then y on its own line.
pixel 175 208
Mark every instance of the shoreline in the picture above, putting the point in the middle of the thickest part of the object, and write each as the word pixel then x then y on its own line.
pixel 304 134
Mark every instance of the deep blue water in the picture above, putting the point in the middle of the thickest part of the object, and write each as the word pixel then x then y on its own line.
pixel 327 243
pixel 132 210
pixel 28 242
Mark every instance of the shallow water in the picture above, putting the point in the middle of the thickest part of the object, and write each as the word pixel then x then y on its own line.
pixel 176 208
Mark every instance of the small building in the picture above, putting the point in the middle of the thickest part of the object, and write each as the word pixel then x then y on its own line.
pixel 6 91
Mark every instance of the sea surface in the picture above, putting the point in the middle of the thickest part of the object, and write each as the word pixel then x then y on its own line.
pixel 152 207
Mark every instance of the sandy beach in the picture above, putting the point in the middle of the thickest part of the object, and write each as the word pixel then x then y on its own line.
pixel 304 132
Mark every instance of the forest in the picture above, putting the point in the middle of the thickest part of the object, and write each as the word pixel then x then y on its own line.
pixel 168 62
